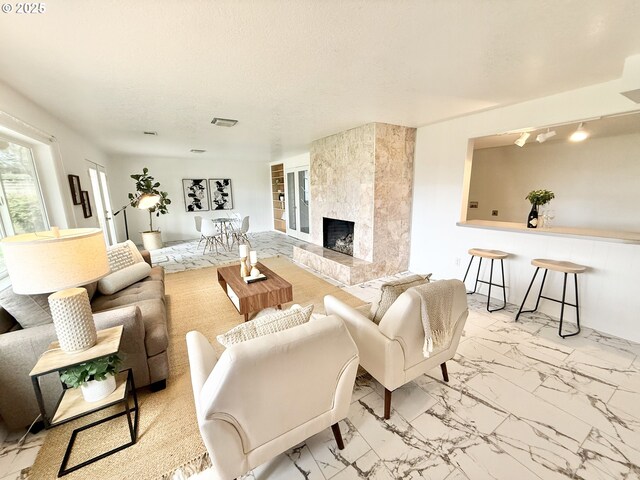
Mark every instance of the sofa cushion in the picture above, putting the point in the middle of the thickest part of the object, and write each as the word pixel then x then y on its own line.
pixel 131 295
pixel 28 310
pixel 390 291
pixel 116 281
pixel 266 324
pixel 154 318
pixel 156 274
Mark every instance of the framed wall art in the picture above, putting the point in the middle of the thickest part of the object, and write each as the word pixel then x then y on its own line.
pixel 196 195
pixel 221 194
pixel 74 184
pixel 86 204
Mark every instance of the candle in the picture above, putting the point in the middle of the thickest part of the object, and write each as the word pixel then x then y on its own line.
pixel 243 251
pixel 253 257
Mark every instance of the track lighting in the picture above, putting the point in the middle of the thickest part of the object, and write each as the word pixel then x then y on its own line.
pixel 580 134
pixel 543 137
pixel 522 139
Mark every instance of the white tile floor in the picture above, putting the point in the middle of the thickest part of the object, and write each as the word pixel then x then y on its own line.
pixel 521 403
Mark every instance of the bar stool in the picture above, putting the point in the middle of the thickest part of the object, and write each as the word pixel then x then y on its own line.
pixel 557 266
pixel 492 255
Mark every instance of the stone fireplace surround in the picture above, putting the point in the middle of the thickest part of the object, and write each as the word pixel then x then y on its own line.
pixel 363 175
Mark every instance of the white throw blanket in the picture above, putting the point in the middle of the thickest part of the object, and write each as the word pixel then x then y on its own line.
pixel 436 300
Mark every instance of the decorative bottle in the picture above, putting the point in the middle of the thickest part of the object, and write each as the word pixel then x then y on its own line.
pixel 532 221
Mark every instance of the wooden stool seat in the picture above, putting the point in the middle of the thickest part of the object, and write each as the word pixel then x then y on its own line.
pixel 558 265
pixel 493 254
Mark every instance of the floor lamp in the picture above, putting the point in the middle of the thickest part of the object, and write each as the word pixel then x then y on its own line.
pixel 59 261
pixel 145 201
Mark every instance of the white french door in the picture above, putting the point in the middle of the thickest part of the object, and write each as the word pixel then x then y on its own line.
pixel 98 176
pixel 298 199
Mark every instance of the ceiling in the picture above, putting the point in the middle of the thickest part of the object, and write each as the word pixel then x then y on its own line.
pixel 608 126
pixel 294 71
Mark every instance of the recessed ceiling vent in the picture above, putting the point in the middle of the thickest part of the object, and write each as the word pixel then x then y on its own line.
pixel 197 150
pixel 151 133
pixel 224 122
pixel 633 95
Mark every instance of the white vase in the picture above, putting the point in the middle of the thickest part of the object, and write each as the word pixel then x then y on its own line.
pixel 152 240
pixel 95 390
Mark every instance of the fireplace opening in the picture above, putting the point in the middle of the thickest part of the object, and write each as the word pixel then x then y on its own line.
pixel 337 235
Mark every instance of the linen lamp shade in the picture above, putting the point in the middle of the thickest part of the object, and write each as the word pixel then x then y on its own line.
pixel 57 261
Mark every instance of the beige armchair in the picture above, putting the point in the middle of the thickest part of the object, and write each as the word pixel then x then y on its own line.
pixel 266 395
pixel 392 351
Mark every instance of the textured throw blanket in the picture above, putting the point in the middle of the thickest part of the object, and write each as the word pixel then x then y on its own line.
pixel 436 300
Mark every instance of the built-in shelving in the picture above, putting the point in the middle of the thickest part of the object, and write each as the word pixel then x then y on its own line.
pixel 278 197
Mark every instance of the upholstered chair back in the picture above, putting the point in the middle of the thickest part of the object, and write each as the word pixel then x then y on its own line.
pixel 403 322
pixel 266 395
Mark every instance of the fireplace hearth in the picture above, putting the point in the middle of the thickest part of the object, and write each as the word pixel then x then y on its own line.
pixel 338 235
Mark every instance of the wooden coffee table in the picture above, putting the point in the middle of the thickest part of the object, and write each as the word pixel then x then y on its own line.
pixel 253 297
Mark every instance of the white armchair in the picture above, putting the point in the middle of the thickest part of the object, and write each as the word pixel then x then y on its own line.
pixel 392 351
pixel 266 395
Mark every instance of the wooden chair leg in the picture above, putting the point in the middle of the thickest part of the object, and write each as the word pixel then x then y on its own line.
pixel 387 404
pixel 338 436
pixel 445 374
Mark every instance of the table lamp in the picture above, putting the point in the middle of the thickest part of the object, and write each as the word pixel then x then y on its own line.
pixel 57 261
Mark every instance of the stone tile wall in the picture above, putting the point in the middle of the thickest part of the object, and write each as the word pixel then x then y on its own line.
pixel 365 175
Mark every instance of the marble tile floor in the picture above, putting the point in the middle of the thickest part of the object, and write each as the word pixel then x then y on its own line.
pixel 521 403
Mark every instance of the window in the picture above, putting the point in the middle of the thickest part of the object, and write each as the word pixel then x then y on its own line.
pixel 21 206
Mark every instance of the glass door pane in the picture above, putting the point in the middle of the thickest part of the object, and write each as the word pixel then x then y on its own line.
pixel 303 193
pixel 291 201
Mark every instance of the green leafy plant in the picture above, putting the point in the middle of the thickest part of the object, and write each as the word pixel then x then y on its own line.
pixel 145 183
pixel 540 197
pixel 97 369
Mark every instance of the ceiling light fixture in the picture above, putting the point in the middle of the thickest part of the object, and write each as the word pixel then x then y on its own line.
pixel 149 132
pixel 224 122
pixel 522 139
pixel 543 137
pixel 580 134
pixel 197 150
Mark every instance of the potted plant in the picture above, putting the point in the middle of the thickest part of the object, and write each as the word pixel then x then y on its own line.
pixel 96 378
pixel 537 199
pixel 146 184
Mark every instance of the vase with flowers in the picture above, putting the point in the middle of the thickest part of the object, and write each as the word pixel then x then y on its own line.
pixel 537 198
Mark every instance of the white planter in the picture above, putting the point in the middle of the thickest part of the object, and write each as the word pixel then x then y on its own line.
pixel 95 390
pixel 152 240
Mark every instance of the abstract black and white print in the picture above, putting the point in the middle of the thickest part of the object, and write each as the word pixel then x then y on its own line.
pixel 195 194
pixel 221 198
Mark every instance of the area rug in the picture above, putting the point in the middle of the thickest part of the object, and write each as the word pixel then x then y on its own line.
pixel 168 436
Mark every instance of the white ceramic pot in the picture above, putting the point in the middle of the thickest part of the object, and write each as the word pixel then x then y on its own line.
pixel 95 390
pixel 152 240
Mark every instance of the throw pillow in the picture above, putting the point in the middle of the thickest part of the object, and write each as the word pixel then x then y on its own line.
pixel 390 291
pixel 122 255
pixel 124 277
pixel 266 324
pixel 28 310
pixel 7 322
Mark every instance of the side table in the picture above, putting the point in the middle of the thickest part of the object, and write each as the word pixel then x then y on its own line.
pixel 71 405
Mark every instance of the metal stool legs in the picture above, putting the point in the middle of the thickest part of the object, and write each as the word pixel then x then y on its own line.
pixel 490 283
pixel 562 302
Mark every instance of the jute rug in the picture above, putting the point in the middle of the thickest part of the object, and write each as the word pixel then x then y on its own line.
pixel 168 435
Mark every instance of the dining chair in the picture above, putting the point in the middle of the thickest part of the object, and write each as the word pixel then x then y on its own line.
pixel 198 220
pixel 240 234
pixel 213 236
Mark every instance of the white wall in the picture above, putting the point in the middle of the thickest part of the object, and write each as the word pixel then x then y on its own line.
pixel 609 298
pixel 250 181
pixel 69 152
pixel 582 176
